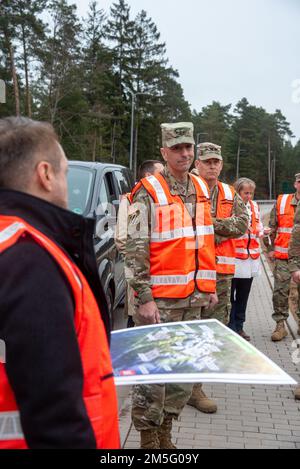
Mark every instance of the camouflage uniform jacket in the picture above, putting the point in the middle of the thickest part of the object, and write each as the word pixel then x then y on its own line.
pixel 121 226
pixel 294 252
pixel 269 241
pixel 138 246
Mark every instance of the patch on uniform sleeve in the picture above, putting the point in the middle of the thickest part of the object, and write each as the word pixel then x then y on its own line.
pixel 132 209
pixel 134 215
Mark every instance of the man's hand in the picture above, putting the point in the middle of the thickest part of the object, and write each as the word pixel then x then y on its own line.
pixel 271 255
pixel 296 277
pixel 213 301
pixel 149 314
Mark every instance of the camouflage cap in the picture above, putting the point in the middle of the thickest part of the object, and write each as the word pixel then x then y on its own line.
pixel 208 151
pixel 297 177
pixel 174 134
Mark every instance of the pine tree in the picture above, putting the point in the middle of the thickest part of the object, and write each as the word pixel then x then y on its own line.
pixel 8 35
pixel 58 91
pixel 119 36
pixel 31 33
pixel 147 56
pixel 60 56
pixel 119 33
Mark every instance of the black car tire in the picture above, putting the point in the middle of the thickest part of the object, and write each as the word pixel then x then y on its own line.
pixel 110 305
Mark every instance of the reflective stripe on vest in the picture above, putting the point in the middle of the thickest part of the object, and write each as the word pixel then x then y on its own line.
pixel 160 193
pixel 10 426
pixel 10 231
pixel 281 250
pixel 248 251
pixel 285 230
pixel 225 251
pixel 183 279
pixel 285 220
pixel 99 393
pixel 203 186
pixel 182 233
pixel 225 260
pixel 182 252
pixel 283 204
pixel 246 237
pixel 227 191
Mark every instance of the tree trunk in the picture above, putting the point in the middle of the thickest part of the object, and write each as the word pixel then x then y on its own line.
pixel 94 145
pixel 269 166
pixel 28 94
pixel 136 142
pixel 14 77
pixel 113 144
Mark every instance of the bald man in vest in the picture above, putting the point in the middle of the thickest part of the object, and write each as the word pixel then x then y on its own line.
pixel 57 389
pixel 170 252
pixel 294 258
pixel 231 221
pixel 281 224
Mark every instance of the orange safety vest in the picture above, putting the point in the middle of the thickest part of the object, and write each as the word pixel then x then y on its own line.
pixel 99 393
pixel 285 218
pixel 182 251
pixel 248 246
pixel 225 251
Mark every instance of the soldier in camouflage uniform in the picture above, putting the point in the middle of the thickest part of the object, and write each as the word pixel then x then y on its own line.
pixel 146 169
pixel 209 166
pixel 294 257
pixel 282 275
pixel 155 406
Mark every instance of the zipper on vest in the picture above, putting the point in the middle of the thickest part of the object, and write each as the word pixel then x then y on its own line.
pixel 249 242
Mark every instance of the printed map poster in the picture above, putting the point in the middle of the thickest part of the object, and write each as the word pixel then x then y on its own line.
pixel 190 352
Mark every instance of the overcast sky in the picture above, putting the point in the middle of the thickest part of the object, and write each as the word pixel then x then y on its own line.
pixel 225 50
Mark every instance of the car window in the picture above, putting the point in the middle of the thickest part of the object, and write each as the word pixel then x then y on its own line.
pixel 103 199
pixel 80 184
pixel 103 195
pixel 122 182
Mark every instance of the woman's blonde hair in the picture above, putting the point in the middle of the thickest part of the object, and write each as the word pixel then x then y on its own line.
pixel 240 183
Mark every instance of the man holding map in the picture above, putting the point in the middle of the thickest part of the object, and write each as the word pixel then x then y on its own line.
pixel 170 252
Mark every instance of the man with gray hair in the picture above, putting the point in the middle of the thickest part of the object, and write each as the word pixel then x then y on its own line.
pixel 230 219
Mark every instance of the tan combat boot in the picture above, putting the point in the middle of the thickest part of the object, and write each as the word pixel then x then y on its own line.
pixel 201 402
pixel 149 439
pixel 280 332
pixel 297 393
pixel 165 434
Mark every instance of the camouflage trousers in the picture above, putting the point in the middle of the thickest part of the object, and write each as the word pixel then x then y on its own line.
pixel 281 295
pixel 129 309
pixel 150 403
pixel 221 311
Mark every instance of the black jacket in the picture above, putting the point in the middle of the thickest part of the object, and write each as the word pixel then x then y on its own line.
pixel 43 361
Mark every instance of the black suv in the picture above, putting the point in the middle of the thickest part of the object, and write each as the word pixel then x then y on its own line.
pixel 95 190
